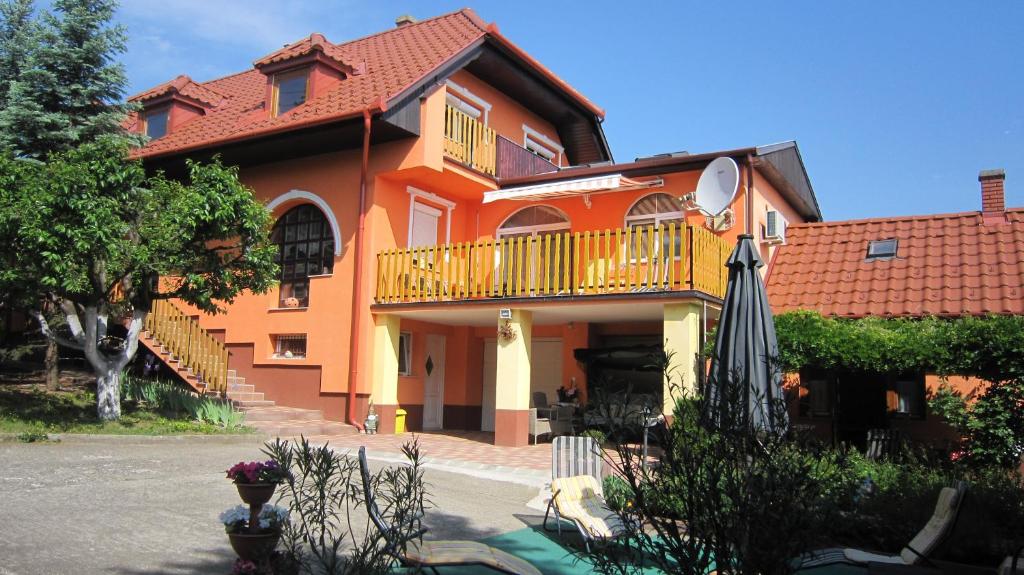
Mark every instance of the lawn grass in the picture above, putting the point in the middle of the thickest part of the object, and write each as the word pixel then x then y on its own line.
pixel 32 410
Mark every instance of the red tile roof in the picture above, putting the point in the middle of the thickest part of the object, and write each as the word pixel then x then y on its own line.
pixel 385 64
pixel 945 265
pixel 186 87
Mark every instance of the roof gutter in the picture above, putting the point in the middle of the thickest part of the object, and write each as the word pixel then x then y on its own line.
pixel 357 277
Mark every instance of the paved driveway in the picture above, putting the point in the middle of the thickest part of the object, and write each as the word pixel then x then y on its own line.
pixel 129 506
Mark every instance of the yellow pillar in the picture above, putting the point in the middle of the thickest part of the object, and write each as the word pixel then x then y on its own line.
pixel 512 389
pixel 385 370
pixel 681 333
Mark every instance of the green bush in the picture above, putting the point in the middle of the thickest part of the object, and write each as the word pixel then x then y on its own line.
pixel 171 398
pixel 617 493
pixel 597 434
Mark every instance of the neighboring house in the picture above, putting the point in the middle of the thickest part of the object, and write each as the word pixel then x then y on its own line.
pixel 944 265
pixel 434 183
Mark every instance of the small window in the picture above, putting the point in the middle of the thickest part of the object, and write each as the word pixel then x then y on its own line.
pixel 290 346
pixel 878 249
pixel 816 399
pixel 909 397
pixel 405 354
pixel 290 90
pixel 156 123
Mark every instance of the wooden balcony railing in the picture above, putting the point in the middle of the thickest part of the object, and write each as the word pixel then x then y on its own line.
pixel 633 260
pixel 468 141
pixel 190 344
pixel 515 161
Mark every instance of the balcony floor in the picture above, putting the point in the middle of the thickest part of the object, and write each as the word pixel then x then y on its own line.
pixel 550 310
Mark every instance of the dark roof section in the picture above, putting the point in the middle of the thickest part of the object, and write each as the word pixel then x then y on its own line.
pixel 781 164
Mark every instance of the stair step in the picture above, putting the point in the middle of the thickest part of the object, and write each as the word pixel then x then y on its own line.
pixel 242 387
pixel 279 413
pixel 253 403
pixel 245 396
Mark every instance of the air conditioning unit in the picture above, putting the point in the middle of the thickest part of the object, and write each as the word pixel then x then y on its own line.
pixel 774 228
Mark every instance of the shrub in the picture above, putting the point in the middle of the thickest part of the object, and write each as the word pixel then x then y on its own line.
pixel 324 489
pixel 597 434
pixel 171 398
pixel 617 493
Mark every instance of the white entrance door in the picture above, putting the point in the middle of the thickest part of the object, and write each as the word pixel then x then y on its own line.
pixel 433 383
pixel 545 374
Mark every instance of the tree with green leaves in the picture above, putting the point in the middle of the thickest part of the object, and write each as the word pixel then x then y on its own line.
pixel 90 232
pixel 65 86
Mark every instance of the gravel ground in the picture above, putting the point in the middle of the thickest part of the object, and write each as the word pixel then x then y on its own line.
pixel 139 505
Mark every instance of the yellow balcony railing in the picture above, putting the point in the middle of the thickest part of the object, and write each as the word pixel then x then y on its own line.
pixel 468 141
pixel 190 344
pixel 640 259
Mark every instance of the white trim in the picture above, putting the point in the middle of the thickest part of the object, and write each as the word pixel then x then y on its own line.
pixel 501 232
pixel 536 136
pixel 542 145
pixel 434 198
pixel 464 93
pixel 318 202
pixel 658 217
pixel 429 210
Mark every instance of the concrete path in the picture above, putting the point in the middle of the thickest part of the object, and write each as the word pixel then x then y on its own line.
pixel 139 505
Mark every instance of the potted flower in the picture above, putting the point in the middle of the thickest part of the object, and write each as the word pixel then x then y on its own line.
pixel 254 540
pixel 257 480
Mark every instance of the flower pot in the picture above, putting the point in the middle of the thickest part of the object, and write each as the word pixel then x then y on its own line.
pixel 256 493
pixel 291 302
pixel 254 546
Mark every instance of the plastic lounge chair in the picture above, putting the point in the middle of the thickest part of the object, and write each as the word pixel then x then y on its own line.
pixel 918 551
pixel 578 499
pixel 412 551
pixel 571 456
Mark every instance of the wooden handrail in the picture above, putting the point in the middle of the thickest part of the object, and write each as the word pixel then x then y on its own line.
pixel 469 141
pixel 649 258
pixel 189 343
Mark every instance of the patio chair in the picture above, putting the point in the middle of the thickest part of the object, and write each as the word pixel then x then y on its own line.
pixel 538 425
pixel 920 549
pixel 412 551
pixel 540 401
pixel 561 420
pixel 579 499
pixel 571 456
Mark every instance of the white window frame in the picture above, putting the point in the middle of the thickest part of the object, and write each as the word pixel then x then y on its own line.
pixel 407 353
pixel 542 145
pixel 501 232
pixel 467 102
pixel 658 217
pixel 449 206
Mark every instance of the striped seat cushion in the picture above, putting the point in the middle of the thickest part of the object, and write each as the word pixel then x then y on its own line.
pixel 466 553
pixel 579 499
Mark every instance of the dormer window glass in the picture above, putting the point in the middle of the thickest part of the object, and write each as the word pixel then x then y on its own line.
pixel 156 123
pixel 291 89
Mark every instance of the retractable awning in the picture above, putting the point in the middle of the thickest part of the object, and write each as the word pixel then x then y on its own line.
pixel 566 188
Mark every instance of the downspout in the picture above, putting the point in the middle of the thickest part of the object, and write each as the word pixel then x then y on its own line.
pixel 750 195
pixel 357 276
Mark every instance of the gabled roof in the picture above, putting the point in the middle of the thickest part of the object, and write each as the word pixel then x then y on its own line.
pixel 184 86
pixel 387 65
pixel 945 265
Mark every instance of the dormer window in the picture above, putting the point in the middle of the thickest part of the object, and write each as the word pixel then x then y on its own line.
pixel 291 89
pixel 156 122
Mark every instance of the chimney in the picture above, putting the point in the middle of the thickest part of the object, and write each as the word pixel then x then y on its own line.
pixel 993 202
pixel 404 20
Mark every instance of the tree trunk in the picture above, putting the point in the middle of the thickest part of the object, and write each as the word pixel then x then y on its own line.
pixel 51 365
pixel 108 394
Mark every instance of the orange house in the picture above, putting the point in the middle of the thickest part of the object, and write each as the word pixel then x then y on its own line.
pixel 454 234
pixel 941 265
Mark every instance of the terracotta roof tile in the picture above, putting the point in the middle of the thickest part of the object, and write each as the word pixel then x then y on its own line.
pixel 394 60
pixel 946 264
pixel 186 87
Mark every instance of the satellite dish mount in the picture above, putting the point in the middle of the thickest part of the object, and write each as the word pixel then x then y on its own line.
pixel 716 189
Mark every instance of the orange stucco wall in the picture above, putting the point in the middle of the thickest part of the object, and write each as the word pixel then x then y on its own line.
pixel 766 197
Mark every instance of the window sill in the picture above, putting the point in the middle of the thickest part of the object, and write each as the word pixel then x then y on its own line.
pixel 277 309
pixel 318 276
pixel 283 358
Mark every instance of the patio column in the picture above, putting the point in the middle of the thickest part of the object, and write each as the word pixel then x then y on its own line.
pixel 385 370
pixel 681 332
pixel 512 383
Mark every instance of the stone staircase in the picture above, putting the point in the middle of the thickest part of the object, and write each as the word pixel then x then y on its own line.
pixel 279 421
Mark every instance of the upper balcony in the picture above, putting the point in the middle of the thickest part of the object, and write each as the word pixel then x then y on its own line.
pixel 640 260
pixel 470 142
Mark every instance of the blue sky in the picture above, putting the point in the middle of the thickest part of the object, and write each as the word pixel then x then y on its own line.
pixel 896 105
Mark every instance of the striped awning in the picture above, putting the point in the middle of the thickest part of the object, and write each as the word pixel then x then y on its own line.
pixel 564 188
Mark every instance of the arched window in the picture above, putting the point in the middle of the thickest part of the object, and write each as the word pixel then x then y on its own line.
pixel 533 221
pixel 305 248
pixel 654 210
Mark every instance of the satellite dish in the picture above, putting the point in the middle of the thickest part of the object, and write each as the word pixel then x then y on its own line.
pixel 717 186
